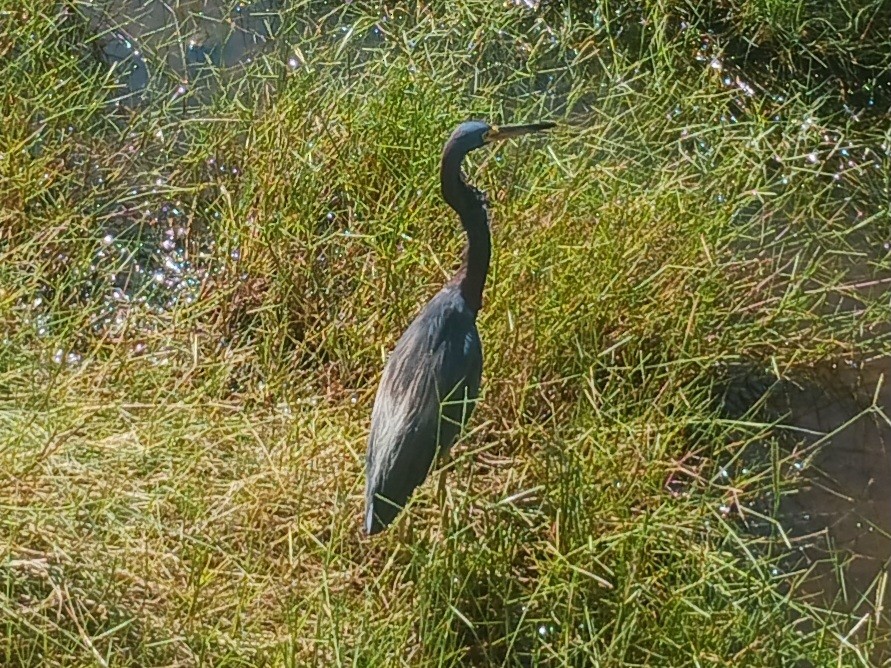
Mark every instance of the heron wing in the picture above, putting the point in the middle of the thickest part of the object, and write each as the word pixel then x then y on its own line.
pixel 427 393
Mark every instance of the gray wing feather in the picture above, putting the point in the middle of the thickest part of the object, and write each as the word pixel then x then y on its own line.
pixel 427 393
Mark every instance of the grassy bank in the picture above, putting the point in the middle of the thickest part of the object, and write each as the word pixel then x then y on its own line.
pixel 200 279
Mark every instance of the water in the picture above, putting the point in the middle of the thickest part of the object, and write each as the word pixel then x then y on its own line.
pixel 833 421
pixel 842 511
pixel 185 39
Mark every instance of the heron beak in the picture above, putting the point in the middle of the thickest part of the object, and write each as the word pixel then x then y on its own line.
pixel 499 133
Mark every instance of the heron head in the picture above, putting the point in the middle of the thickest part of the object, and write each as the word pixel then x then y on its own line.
pixel 468 136
pixel 476 134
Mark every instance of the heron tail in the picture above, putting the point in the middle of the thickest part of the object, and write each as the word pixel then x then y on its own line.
pixel 372 525
pixel 379 514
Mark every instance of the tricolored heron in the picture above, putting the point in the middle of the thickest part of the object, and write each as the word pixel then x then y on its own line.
pixel 432 377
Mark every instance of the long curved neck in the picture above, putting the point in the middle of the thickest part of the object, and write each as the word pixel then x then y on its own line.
pixel 470 206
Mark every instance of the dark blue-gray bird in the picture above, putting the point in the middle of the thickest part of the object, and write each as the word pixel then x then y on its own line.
pixel 432 377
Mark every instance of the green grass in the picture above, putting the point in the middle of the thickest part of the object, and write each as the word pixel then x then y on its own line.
pixel 181 478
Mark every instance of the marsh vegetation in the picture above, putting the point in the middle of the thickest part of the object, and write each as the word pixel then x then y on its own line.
pixel 216 218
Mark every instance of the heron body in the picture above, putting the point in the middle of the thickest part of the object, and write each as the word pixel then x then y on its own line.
pixel 432 378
